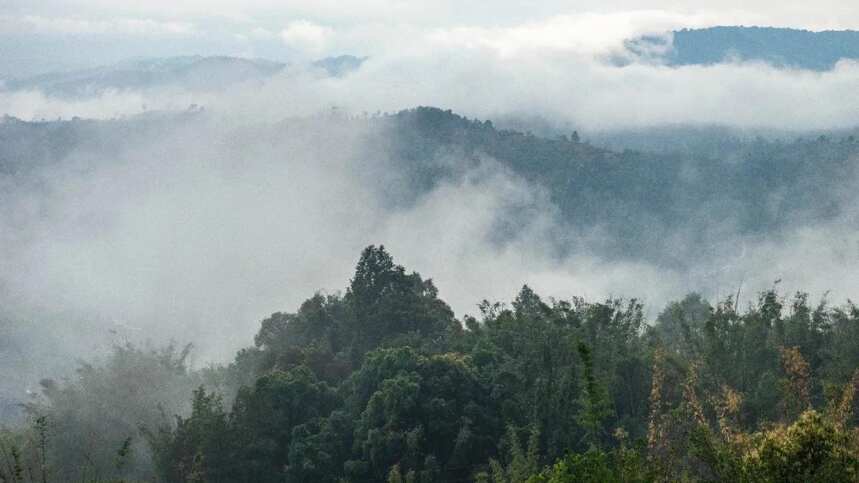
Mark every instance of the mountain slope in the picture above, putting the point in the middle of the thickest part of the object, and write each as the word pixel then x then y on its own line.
pixel 781 47
pixel 635 200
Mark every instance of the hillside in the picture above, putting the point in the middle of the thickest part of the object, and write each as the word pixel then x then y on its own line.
pixel 636 199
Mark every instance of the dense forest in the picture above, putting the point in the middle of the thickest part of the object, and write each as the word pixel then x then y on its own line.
pixel 382 383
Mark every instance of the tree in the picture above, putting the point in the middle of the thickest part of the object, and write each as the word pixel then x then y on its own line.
pixel 264 419
pixel 388 303
pixel 104 406
pixel 521 464
pixel 198 447
pixel 594 403
pixel 427 414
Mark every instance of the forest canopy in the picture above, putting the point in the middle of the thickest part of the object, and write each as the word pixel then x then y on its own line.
pixel 382 383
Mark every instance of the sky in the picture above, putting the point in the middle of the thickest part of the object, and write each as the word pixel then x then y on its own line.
pixel 47 35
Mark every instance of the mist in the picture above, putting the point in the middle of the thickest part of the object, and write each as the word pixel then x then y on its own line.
pixel 195 234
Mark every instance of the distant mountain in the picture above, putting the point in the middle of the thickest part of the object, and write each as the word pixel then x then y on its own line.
pixel 194 73
pixel 781 47
pixel 340 65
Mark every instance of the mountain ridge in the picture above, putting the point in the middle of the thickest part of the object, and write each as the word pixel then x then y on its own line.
pixel 778 46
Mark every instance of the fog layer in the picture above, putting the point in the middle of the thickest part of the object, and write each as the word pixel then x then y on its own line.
pixel 196 230
pixel 565 68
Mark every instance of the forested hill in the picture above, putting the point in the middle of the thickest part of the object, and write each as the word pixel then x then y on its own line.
pixel 783 47
pixel 635 198
pixel 754 187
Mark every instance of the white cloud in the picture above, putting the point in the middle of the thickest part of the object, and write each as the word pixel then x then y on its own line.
pixel 262 33
pixel 35 105
pixel 202 247
pixel 585 33
pixel 568 86
pixel 306 36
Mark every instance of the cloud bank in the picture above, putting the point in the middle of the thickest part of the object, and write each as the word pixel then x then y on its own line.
pixel 490 77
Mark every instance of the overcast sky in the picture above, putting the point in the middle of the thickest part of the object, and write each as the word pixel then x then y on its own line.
pixel 43 35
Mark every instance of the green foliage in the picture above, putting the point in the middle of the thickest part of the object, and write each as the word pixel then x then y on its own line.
pixel 521 464
pixel 249 444
pixel 595 406
pixel 382 384
pixel 812 448
pixel 427 414
pixel 597 466
pixel 188 452
pixel 388 303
